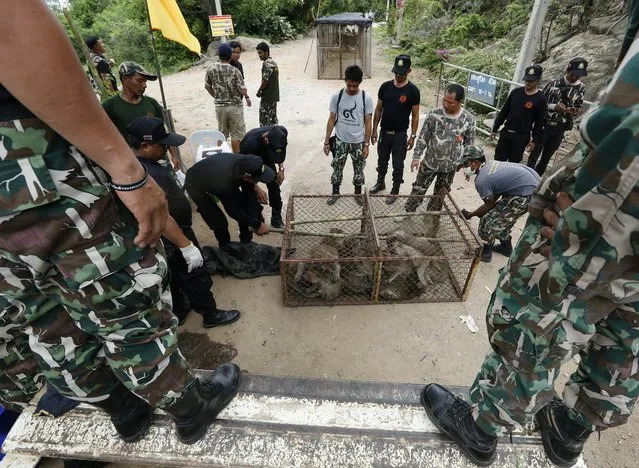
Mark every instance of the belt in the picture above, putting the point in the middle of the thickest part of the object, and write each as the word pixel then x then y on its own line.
pixel 393 132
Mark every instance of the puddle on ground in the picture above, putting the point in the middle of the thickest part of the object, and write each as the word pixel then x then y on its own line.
pixel 204 353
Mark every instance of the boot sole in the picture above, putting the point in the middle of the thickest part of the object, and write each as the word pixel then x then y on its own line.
pixel 205 426
pixel 223 323
pixel 460 444
pixel 550 453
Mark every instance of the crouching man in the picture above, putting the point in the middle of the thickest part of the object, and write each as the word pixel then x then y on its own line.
pixel 231 178
pixel 505 189
pixel 189 278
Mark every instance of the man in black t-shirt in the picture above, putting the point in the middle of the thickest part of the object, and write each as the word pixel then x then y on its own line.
pixel 102 65
pixel 235 57
pixel 269 143
pixel 523 112
pixel 397 102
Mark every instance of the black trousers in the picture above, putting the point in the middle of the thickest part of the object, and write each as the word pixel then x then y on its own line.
pixel 194 286
pixel 215 218
pixel 511 146
pixel 550 141
pixel 393 143
pixel 274 193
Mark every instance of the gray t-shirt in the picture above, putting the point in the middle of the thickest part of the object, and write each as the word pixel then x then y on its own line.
pixel 506 179
pixel 350 116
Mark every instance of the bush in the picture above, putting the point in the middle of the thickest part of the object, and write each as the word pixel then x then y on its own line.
pixel 515 14
pixel 469 29
pixel 262 18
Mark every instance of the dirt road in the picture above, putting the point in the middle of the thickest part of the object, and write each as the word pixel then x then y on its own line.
pixel 416 343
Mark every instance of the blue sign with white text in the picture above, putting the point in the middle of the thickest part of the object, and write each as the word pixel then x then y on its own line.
pixel 482 88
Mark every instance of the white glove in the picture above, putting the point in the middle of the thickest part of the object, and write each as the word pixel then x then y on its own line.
pixel 192 256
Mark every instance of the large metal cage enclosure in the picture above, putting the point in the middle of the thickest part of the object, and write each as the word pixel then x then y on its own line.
pixel 342 40
pixel 361 250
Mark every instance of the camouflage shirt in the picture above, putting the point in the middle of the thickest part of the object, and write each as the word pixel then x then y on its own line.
pixel 594 253
pixel 227 84
pixel 271 73
pixel 571 95
pixel 443 138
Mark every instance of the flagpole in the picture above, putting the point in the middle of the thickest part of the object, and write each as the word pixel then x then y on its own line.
pixel 155 54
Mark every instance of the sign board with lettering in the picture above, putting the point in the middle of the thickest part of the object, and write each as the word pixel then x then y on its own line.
pixel 482 88
pixel 221 25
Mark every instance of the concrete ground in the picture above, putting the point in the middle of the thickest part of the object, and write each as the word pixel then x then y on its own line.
pixel 416 343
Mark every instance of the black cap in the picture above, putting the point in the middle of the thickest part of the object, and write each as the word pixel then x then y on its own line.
pixel 533 72
pixel 253 166
pixel 578 66
pixel 151 130
pixel 277 141
pixel 402 64
pixel 131 68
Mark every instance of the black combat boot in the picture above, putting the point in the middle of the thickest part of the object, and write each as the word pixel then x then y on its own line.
pixel 130 415
pixel 358 195
pixel 220 317
pixel 563 438
pixel 276 219
pixel 378 187
pixel 335 196
pixel 505 247
pixel 487 253
pixel 453 416
pixel 392 196
pixel 198 407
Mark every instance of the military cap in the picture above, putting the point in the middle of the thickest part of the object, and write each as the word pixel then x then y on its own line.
pixel 472 153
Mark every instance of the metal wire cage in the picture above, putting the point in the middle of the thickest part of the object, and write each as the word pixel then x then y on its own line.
pixel 342 40
pixel 362 251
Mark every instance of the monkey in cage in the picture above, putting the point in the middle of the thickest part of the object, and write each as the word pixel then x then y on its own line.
pixel 406 279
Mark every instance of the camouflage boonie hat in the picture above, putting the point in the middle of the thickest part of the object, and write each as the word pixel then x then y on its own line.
pixel 471 153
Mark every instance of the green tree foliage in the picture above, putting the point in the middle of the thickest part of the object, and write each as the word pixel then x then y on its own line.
pixel 516 13
pixel 455 30
pixel 124 28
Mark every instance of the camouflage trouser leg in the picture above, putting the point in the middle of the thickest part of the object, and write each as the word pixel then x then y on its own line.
pixel 342 152
pixel 517 378
pixel 20 375
pixel 425 177
pixel 268 113
pixel 131 312
pixel 498 222
pixel 62 231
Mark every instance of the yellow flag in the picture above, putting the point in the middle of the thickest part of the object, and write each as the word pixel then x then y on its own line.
pixel 166 17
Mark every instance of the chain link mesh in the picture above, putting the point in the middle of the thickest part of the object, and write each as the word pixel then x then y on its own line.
pixel 361 250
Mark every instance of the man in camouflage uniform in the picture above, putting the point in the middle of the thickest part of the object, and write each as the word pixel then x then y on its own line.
pixel 269 90
pixel 569 288
pixel 564 97
pixel 225 84
pixel 505 189
pixel 79 277
pixel 102 65
pixel 445 133
pixel 351 115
